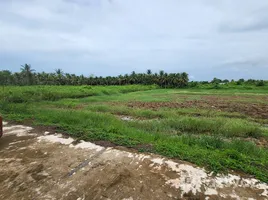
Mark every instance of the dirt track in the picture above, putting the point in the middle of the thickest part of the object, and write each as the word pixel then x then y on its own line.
pixel 36 164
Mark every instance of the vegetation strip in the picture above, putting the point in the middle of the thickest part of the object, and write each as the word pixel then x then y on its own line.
pixel 219 140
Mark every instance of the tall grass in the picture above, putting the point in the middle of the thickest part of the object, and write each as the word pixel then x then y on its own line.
pixel 203 125
pixel 19 94
pixel 212 151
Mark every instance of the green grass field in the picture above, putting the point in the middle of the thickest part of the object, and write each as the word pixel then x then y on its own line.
pixel 218 129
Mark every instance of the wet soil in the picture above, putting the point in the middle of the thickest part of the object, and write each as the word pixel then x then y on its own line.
pixel 35 164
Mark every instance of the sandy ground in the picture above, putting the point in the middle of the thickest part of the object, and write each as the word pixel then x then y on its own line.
pixel 35 164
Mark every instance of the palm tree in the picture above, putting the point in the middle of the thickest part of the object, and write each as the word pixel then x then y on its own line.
pixel 60 76
pixel 185 79
pixel 27 72
pixel 17 78
pixel 28 77
pixel 161 73
pixel 133 73
pixel 59 72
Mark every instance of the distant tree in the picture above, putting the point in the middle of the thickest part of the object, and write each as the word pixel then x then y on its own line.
pixel 240 81
pixel 133 73
pixel 59 72
pixel 5 77
pixel 60 76
pixel 133 77
pixel 17 79
pixel 185 79
pixel 260 83
pixel 216 81
pixel 27 73
pixel 27 76
pixel 193 84
pixel 251 81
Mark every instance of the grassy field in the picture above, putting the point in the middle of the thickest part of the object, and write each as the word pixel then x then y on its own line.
pixel 218 129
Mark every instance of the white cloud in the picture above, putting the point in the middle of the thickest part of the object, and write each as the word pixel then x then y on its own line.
pixel 120 36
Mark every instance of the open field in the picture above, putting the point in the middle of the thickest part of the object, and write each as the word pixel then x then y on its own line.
pixel 218 129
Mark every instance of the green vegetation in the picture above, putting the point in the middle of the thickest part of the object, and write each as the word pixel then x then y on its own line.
pixel 28 76
pixel 24 94
pixel 209 127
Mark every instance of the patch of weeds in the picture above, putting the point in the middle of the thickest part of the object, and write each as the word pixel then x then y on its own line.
pixel 215 126
pixel 207 138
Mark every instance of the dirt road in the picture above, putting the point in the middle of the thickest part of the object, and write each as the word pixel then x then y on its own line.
pixel 35 164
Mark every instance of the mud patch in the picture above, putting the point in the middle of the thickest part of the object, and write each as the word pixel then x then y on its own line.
pixel 36 168
pixel 104 143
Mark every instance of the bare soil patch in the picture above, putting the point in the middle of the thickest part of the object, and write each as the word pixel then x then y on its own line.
pixel 254 110
pixel 38 166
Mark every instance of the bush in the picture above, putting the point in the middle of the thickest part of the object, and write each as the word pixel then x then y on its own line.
pixel 260 83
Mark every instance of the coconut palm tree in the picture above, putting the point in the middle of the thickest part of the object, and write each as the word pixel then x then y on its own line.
pixel 28 77
pixel 27 72
pixel 185 79
pixel 149 72
pixel 60 76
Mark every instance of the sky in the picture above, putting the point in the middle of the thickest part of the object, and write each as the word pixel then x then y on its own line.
pixel 205 38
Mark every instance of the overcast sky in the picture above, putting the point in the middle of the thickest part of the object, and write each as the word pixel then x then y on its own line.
pixel 205 38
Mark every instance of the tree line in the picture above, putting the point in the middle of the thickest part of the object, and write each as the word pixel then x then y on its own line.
pixel 28 76
pixel 216 82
